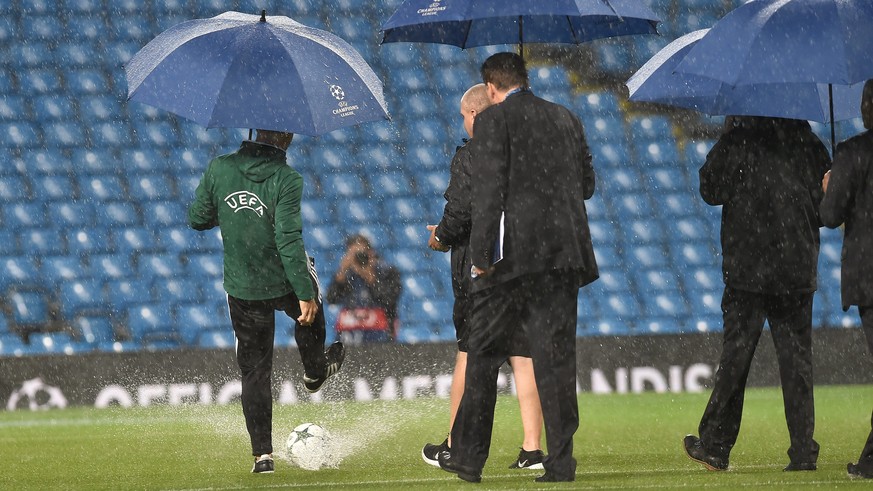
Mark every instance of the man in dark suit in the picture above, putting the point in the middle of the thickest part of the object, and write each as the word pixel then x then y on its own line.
pixel 766 174
pixel 848 200
pixel 532 174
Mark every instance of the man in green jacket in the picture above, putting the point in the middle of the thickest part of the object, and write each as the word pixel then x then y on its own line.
pixel 254 196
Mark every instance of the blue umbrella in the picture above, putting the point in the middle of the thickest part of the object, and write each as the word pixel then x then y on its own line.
pixel 470 23
pixel 776 41
pixel 247 71
pixel 657 81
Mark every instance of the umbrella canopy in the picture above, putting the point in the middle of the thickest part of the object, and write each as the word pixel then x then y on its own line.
pixel 657 81
pixel 247 71
pixel 777 41
pixel 470 23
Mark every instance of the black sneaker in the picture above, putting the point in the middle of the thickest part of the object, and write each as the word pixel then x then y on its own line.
pixel 431 453
pixel 263 465
pixel 800 466
pixel 335 355
pixel 695 451
pixel 856 470
pixel 528 459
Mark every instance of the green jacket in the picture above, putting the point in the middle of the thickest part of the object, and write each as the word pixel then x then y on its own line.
pixel 254 196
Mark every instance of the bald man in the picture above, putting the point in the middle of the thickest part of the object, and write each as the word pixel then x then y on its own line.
pixel 453 233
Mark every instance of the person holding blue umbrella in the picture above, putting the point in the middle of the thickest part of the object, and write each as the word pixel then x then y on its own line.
pixel 765 173
pixel 849 200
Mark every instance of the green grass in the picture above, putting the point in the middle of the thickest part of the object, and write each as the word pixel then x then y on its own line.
pixel 624 442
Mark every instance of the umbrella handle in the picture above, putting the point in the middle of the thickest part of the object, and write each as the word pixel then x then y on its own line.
pixel 831 103
pixel 263 16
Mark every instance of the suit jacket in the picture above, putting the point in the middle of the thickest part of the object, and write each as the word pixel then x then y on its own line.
pixel 849 201
pixel 767 174
pixel 533 164
pixel 454 227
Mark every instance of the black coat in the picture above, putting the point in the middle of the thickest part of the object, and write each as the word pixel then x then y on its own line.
pixel 849 200
pixel 454 228
pixel 531 162
pixel 767 175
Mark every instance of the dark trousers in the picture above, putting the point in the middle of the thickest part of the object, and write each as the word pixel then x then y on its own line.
pixel 790 318
pixel 865 461
pixel 544 305
pixel 254 324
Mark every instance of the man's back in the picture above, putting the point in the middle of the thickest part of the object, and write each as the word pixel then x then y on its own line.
pixel 532 161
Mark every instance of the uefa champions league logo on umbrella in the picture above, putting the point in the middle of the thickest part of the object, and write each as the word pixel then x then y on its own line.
pixel 432 9
pixel 345 109
pixel 337 92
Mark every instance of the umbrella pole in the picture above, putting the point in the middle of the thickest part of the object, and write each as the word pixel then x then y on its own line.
pixel 831 103
pixel 521 37
pixel 250 134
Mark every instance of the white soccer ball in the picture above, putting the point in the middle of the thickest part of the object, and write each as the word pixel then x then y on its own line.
pixel 309 447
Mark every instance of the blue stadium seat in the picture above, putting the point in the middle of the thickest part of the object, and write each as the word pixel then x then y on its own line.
pixel 421 156
pixel 101 188
pixel 316 211
pixel 405 209
pixel 8 26
pixel 164 214
pixel 613 57
pixel 110 134
pixel 557 96
pixel 633 205
pixel 158 265
pixel 26 214
pixel 70 214
pixel 64 134
pixel 648 256
pixel 28 307
pixel 155 134
pixel 598 103
pixel 31 55
pixel 188 160
pixel 612 153
pixel 194 319
pixel 122 293
pixel 380 158
pixel 83 6
pixel 425 311
pixel 144 160
pixel 689 228
pixel 177 290
pixel 97 161
pixel 49 107
pixel 134 239
pixel 13 189
pixel 621 180
pixel 658 153
pixel 693 254
pixel 81 55
pixel 150 187
pixel 706 278
pixel 9 243
pixel 118 214
pixel 650 128
pixel 207 265
pixel 57 187
pixel 407 259
pixel 602 231
pixel 658 280
pixel 679 204
pixel 665 304
pixel 216 339
pixel 410 81
pixel 12 108
pixel 667 179
pixel 695 152
pixel 130 27
pixel 19 134
pixel 183 239
pixel 337 158
pixel 359 211
pixel 42 241
pixel 86 82
pixel 549 78
pixel 613 280
pixel 345 184
pixel 607 256
pixel 150 321
pixel 81 296
pixel 100 108
pixel 94 330
pixel 17 270
pixel 48 162
pixel 89 240
pixel 646 232
pixel 111 266
pixel 87 27
pixel 455 81
pixel 619 305
pixel 603 128
pixel 58 268
pixel 325 236
pixel 11 344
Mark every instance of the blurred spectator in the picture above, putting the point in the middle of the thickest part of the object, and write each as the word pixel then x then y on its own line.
pixel 367 288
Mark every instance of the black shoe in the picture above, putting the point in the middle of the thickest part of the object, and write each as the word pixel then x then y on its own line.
pixel 263 465
pixel 695 451
pixel 800 466
pixel 549 477
pixel 528 459
pixel 335 355
pixel 430 453
pixel 855 470
pixel 465 472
